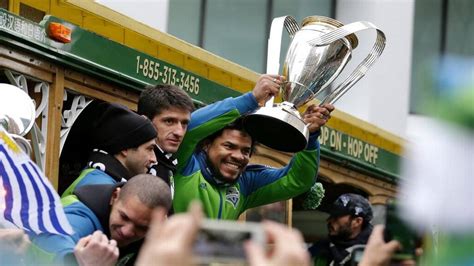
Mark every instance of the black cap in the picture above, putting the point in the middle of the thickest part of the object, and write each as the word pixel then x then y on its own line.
pixel 352 204
pixel 118 128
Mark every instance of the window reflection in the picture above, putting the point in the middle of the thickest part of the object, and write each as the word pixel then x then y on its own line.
pixel 275 212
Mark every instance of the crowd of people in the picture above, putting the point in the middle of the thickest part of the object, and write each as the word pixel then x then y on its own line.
pixel 134 202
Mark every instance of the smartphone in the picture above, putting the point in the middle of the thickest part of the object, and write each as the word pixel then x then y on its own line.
pixel 220 241
pixel 396 228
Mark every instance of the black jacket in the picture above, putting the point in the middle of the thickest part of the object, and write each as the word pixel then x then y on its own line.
pixel 328 250
pixel 165 166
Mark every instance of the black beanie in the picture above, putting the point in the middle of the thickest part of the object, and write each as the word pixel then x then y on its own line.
pixel 118 128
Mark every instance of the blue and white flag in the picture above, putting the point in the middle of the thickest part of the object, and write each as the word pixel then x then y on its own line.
pixel 27 198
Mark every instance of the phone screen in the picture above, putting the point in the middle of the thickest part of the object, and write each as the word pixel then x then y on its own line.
pixel 396 228
pixel 223 241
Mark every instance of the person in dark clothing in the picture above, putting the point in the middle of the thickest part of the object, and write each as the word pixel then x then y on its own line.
pixel 124 144
pixel 169 109
pixel 349 228
pixel 121 213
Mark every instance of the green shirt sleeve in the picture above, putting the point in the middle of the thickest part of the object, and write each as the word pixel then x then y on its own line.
pixel 288 182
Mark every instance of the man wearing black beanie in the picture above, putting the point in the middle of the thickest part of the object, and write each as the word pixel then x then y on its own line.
pixel 124 144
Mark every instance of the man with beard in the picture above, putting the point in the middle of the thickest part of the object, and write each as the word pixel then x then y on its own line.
pixel 124 144
pixel 216 150
pixel 349 228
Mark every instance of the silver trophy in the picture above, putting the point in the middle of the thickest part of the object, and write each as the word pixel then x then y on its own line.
pixel 318 52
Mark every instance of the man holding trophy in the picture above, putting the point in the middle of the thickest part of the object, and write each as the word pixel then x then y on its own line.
pixel 217 147
pixel 217 171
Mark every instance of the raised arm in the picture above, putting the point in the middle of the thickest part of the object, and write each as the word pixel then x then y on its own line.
pixel 264 186
pixel 52 248
pixel 213 117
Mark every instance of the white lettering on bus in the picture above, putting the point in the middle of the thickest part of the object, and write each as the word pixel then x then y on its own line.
pixel 166 74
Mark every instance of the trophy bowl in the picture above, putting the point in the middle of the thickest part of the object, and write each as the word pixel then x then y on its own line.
pixel 317 54
pixel 269 124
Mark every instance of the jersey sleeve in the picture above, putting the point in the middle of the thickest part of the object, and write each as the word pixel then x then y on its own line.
pixel 210 119
pixel 267 185
pixel 58 249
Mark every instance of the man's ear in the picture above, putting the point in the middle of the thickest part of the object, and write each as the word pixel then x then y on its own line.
pixel 121 155
pixel 357 222
pixel 205 145
pixel 115 196
pixel 160 214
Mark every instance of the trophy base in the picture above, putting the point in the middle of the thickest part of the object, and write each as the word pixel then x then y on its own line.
pixel 280 128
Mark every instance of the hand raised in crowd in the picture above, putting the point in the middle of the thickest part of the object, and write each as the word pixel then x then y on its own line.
pixel 317 116
pixel 288 248
pixel 96 249
pixel 266 87
pixel 377 252
pixel 13 241
pixel 171 242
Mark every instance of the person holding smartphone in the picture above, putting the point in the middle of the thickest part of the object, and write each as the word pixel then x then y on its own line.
pixel 171 242
pixel 349 229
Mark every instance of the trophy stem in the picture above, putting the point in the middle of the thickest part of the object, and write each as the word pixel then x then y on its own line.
pixel 297 93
